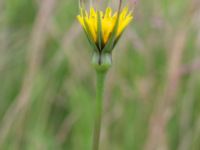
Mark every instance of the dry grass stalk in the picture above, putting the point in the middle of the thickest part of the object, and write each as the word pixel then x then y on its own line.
pixel 156 139
pixel 36 46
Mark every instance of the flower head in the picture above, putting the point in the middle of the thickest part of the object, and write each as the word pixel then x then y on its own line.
pixel 104 29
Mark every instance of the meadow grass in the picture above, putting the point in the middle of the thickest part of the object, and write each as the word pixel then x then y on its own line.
pixel 47 84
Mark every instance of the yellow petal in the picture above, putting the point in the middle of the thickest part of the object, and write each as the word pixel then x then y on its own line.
pixel 107 28
pixel 124 12
pixel 123 24
pixel 80 19
pixel 92 13
pixel 108 12
pixel 92 27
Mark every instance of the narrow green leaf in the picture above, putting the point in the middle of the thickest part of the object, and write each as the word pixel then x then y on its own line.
pixel 91 42
pixel 99 30
pixel 116 40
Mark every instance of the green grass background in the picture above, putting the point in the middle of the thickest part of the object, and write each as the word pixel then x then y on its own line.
pixel 47 84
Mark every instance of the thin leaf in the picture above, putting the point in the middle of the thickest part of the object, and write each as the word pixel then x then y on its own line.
pixel 116 40
pixel 99 30
pixel 91 42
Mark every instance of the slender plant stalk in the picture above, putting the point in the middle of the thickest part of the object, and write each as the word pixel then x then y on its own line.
pixel 98 108
pixel 102 55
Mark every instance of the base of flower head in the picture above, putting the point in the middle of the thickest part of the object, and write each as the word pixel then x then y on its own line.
pixel 102 61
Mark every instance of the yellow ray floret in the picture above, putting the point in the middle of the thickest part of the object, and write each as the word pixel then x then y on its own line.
pixel 108 21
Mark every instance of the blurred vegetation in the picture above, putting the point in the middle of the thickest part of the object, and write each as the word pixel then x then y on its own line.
pixel 47 83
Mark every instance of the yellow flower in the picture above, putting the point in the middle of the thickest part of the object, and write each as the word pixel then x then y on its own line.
pixel 106 22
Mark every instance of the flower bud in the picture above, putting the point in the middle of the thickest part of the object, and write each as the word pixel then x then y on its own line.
pixel 102 61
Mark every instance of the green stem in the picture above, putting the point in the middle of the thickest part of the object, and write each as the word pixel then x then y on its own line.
pixel 98 108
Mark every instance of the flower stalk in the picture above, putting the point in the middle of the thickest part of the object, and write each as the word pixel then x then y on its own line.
pixel 98 108
pixel 101 63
